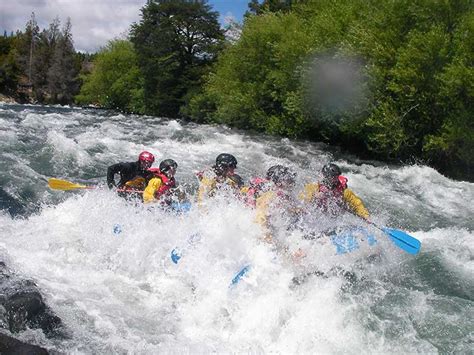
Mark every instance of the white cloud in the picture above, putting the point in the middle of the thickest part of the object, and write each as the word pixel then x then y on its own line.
pixel 233 29
pixel 94 22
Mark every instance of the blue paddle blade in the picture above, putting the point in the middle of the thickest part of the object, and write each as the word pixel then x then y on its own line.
pixel 239 275
pixel 175 255
pixel 181 206
pixel 345 243
pixel 403 241
pixel 371 239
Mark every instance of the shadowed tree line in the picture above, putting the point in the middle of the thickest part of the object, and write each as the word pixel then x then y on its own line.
pixel 40 65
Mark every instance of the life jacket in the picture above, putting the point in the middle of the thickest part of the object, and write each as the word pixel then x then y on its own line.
pixel 166 183
pixel 215 182
pixel 332 197
pixel 257 186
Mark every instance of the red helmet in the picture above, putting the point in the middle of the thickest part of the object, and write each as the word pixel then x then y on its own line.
pixel 146 159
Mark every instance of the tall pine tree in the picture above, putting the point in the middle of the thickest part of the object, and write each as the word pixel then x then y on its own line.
pixel 175 42
pixel 62 73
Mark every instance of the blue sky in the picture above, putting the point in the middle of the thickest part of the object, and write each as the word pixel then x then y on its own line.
pixel 236 8
pixel 94 22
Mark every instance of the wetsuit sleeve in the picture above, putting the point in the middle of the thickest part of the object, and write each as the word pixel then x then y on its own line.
pixel 355 204
pixel 149 193
pixel 309 192
pixel 111 171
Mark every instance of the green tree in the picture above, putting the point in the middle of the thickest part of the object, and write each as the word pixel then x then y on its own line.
pixel 26 47
pixel 42 59
pixel 451 146
pixel 62 82
pixel 257 8
pixel 116 81
pixel 176 41
pixel 392 78
pixel 9 69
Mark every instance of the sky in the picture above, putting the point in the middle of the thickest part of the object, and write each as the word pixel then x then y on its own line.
pixel 94 22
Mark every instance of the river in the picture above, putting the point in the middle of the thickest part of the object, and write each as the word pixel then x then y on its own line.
pixel 121 293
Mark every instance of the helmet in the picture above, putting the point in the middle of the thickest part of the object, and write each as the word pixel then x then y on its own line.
pixel 167 165
pixel 331 170
pixel 225 160
pixel 331 173
pixel 146 157
pixel 281 174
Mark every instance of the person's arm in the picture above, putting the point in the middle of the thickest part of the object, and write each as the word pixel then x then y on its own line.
pixel 149 193
pixel 355 204
pixel 111 171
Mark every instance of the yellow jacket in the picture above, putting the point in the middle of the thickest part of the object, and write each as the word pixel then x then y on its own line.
pixel 279 200
pixel 353 203
pixel 208 184
pixel 270 203
pixel 158 186
pixel 262 206
pixel 153 185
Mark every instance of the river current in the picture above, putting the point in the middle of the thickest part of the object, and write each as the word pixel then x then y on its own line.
pixel 119 292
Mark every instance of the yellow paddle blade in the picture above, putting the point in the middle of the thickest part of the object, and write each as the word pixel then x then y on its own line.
pixel 57 184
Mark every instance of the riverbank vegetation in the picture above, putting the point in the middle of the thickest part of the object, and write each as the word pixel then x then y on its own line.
pixel 40 66
pixel 393 80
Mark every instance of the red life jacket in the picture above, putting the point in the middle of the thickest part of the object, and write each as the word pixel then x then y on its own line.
pixel 166 183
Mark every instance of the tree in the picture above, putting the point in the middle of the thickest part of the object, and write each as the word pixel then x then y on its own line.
pixel 61 78
pixel 176 41
pixel 115 81
pixel 42 59
pixel 9 70
pixel 26 48
pixel 257 8
pixel 389 78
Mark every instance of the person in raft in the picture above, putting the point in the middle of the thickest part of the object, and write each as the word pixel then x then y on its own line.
pixel 221 176
pixel 133 176
pixel 332 195
pixel 162 184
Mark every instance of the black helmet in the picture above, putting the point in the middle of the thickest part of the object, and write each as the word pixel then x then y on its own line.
pixel 225 160
pixel 331 170
pixel 168 164
pixel 281 174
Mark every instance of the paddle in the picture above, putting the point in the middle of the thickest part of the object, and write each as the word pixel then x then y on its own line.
pixel 177 252
pixel 64 185
pixel 401 239
pixel 239 275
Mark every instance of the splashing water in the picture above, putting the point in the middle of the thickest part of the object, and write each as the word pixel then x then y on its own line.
pixel 121 292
